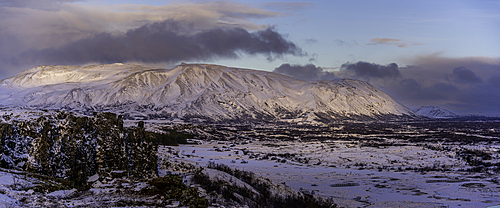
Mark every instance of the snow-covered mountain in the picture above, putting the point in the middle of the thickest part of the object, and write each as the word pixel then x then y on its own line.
pixel 435 112
pixel 195 91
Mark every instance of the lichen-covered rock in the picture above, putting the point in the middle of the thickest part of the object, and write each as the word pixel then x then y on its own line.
pixel 141 152
pixel 13 149
pixel 75 148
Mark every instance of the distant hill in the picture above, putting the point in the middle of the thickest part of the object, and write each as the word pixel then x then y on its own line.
pixel 435 112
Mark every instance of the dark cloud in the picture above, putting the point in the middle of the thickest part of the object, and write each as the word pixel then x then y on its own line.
pixel 167 41
pixel 36 26
pixel 328 76
pixel 467 85
pixel 434 65
pixel 465 76
pixel 307 72
pixel 410 85
pixel 466 93
pixel 494 81
pixel 365 70
pixel 440 91
pixel 410 89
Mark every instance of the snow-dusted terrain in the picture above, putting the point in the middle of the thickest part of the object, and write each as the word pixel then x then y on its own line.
pixel 348 172
pixel 430 163
pixel 435 112
pixel 195 92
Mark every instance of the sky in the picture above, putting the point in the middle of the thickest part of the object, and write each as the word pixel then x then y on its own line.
pixel 444 53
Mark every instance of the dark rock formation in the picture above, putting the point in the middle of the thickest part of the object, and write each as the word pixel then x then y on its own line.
pixel 75 148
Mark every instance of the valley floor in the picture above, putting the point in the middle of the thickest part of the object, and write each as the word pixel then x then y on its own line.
pixel 436 163
pixel 327 169
pixel 332 171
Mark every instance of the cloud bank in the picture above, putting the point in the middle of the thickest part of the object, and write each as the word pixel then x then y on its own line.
pixel 308 72
pixel 367 71
pixel 62 32
pixel 462 75
pixel 469 85
pixel 166 42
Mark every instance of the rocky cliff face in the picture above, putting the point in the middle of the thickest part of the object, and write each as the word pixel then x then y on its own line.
pixel 75 148
pixel 196 92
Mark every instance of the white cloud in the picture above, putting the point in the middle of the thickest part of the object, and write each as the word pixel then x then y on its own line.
pixel 391 41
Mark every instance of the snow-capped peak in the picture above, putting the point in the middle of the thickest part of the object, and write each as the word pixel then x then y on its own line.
pixel 435 112
pixel 48 75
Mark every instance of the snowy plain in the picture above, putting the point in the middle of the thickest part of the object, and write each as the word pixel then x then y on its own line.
pixel 354 169
pixel 366 187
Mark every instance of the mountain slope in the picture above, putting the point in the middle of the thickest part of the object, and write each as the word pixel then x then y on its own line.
pixel 435 112
pixel 195 91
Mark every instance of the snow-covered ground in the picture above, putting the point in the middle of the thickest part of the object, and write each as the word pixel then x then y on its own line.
pixel 18 190
pixel 337 175
pixel 7 180
pixel 370 164
pixel 333 170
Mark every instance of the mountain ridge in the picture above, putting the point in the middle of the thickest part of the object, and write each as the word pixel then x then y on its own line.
pixel 435 112
pixel 196 91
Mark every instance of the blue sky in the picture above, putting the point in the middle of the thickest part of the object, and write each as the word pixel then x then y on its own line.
pixel 428 41
pixel 343 29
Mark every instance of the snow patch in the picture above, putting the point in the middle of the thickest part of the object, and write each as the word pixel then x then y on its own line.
pixel 93 178
pixel 62 193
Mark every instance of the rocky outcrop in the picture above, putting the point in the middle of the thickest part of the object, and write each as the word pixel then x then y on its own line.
pixel 75 148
